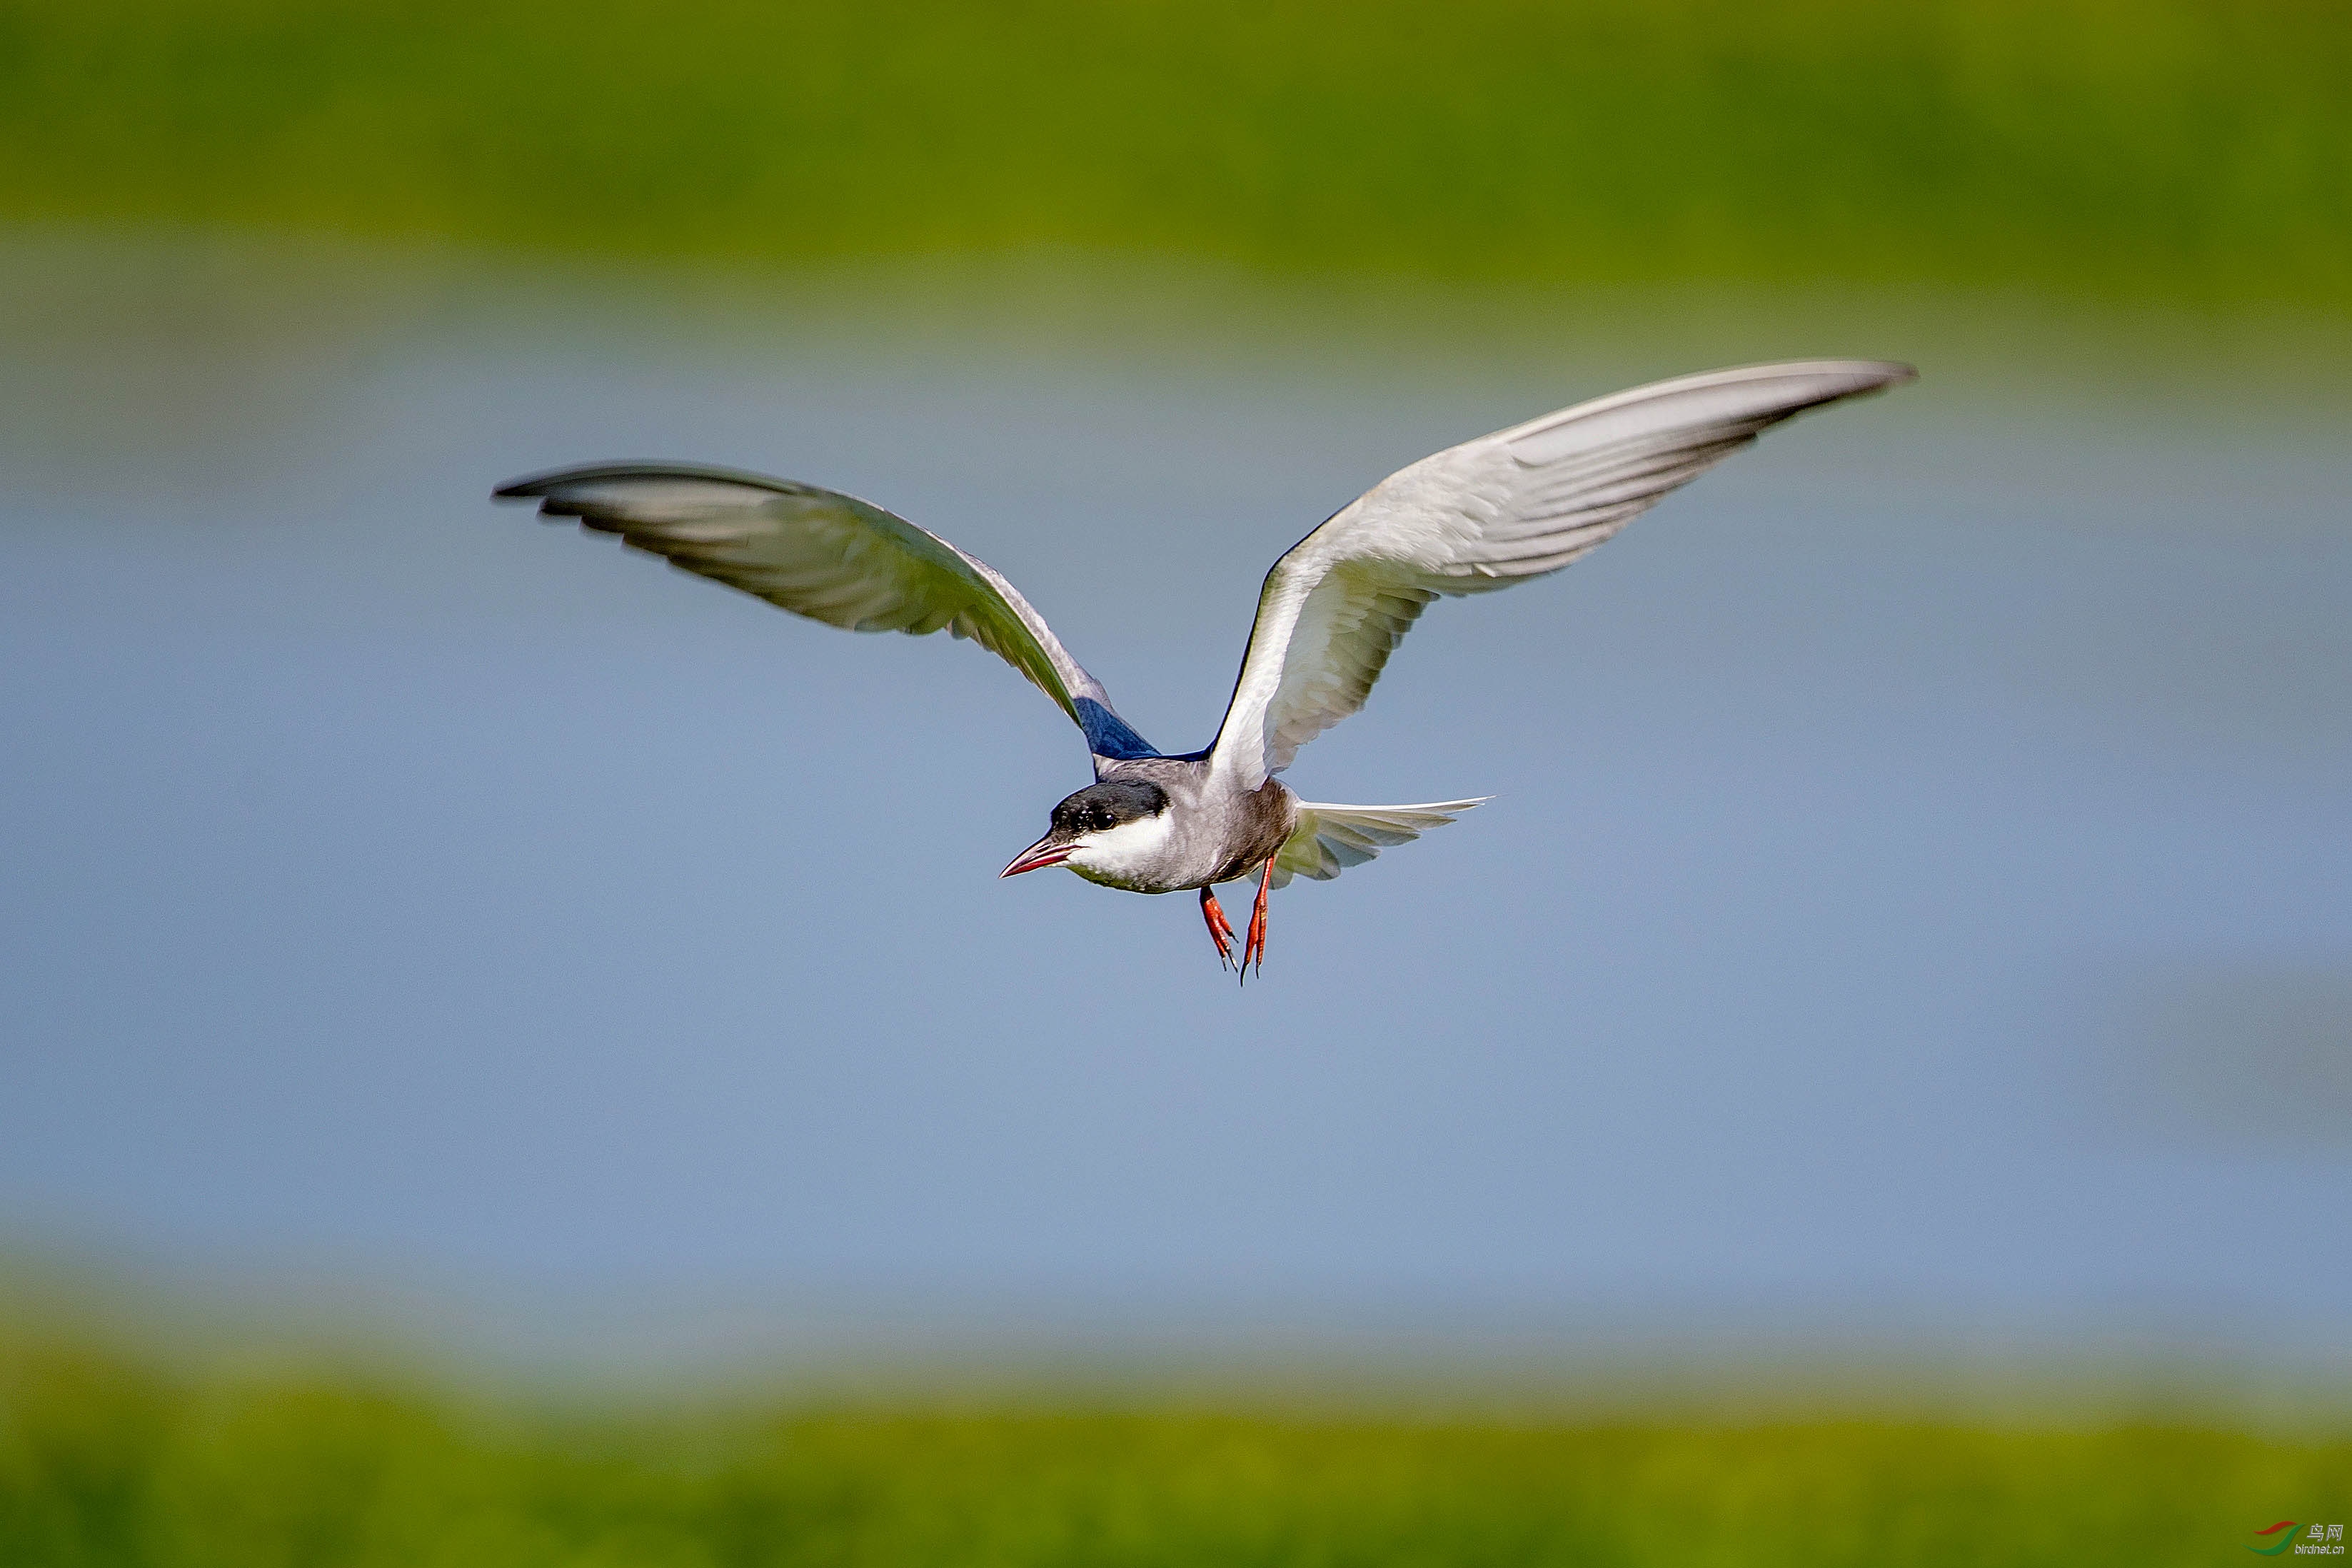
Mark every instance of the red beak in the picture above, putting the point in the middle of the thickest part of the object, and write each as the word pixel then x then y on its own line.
pixel 1037 856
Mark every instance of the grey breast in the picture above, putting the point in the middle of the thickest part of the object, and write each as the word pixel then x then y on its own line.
pixel 1221 833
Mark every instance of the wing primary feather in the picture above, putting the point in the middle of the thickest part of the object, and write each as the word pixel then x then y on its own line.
pixel 830 557
pixel 1504 508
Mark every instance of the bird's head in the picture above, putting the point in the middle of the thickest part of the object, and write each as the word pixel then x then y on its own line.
pixel 1101 828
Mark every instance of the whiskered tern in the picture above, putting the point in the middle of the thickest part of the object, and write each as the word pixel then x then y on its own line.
pixel 1517 504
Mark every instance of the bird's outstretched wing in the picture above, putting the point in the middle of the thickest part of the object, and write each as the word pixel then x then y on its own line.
pixel 1488 513
pixel 830 557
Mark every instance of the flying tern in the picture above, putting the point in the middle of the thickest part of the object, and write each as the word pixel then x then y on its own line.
pixel 1501 509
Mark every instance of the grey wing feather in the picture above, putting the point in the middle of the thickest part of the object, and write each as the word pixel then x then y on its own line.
pixel 831 557
pixel 1486 514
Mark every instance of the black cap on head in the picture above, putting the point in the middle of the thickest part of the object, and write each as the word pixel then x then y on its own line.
pixel 1106 804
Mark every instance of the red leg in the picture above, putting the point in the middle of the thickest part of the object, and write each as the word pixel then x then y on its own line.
pixel 1254 949
pixel 1220 931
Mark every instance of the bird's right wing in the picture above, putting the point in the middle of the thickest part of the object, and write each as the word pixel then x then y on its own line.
pixel 1500 510
pixel 830 557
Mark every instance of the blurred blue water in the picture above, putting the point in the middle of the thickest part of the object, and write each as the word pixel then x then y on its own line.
pixel 388 878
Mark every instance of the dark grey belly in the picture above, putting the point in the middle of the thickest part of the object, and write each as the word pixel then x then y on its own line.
pixel 1263 822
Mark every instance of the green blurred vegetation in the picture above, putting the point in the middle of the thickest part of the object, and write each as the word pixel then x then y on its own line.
pixel 2176 151
pixel 105 1461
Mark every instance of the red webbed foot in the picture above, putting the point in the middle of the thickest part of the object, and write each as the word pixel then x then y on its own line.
pixel 1254 948
pixel 1220 930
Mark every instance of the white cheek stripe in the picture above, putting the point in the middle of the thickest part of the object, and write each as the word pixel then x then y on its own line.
pixel 1130 846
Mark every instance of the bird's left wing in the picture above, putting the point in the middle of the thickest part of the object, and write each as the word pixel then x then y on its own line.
pixel 830 557
pixel 1488 513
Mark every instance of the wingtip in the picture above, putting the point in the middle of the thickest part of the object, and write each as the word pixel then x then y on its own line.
pixel 1863 375
pixel 1858 377
pixel 534 486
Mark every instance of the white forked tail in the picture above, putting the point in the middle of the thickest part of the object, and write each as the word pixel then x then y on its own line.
pixel 1330 838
